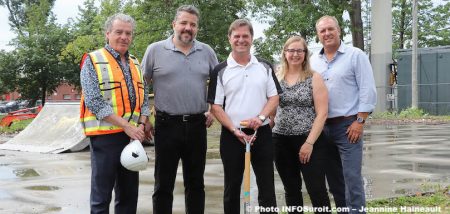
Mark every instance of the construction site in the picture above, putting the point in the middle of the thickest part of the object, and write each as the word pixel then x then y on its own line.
pixel 46 167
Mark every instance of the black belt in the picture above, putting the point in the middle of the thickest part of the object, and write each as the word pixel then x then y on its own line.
pixel 335 120
pixel 182 117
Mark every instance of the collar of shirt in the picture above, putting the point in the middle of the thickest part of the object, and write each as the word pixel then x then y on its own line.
pixel 341 50
pixel 169 45
pixel 351 88
pixel 114 53
pixel 231 63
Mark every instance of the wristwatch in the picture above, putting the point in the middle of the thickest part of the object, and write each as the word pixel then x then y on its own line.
pixel 262 118
pixel 360 120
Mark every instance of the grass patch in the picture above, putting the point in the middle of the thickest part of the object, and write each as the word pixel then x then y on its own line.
pixel 410 113
pixel 438 202
pixel 213 139
pixel 15 126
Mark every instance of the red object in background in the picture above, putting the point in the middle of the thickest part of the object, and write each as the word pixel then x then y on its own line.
pixel 83 58
pixel 22 114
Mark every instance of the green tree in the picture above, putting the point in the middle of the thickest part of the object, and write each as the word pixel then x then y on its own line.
pixel 88 35
pixel 38 44
pixel 154 22
pixel 18 17
pixel 356 25
pixel 439 28
pixel 8 71
pixel 366 20
pixel 287 18
pixel 433 23
pixel 216 17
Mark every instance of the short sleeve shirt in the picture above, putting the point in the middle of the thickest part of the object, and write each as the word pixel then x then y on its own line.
pixel 242 90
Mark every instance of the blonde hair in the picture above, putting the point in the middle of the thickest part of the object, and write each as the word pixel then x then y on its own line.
pixel 307 71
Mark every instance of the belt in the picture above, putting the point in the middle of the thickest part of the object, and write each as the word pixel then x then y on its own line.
pixel 339 119
pixel 182 117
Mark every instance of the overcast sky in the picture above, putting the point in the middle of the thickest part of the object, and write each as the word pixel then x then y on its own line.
pixel 63 10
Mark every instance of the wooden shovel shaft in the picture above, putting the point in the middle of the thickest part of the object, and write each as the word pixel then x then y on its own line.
pixel 247 179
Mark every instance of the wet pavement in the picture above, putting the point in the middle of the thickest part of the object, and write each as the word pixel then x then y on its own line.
pixel 406 159
pixel 398 160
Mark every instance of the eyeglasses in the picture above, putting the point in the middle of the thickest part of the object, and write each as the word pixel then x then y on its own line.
pixel 298 51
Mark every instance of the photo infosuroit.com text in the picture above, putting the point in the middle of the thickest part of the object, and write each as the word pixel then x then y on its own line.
pixel 402 209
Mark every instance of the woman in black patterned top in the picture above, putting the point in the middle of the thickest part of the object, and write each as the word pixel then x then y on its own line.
pixel 298 125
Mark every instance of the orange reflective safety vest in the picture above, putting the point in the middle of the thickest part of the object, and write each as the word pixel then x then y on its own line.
pixel 114 91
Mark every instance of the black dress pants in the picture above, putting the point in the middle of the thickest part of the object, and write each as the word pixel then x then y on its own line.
pixel 178 137
pixel 232 152
pixel 288 165
pixel 108 174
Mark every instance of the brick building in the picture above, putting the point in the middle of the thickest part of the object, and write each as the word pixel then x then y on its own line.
pixel 64 92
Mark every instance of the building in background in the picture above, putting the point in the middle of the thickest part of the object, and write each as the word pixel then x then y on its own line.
pixel 64 92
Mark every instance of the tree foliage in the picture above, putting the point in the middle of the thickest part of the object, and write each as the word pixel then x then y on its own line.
pixel 356 25
pixel 154 22
pixel 47 54
pixel 38 44
pixel 287 18
pixel 367 21
pixel 8 71
pixel 19 16
pixel 433 24
pixel 88 33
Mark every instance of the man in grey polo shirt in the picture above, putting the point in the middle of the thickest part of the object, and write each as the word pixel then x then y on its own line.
pixel 179 68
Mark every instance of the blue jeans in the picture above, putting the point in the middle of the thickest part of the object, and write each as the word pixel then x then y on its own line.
pixel 351 157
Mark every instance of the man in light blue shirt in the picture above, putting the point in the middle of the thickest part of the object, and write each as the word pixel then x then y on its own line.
pixel 352 96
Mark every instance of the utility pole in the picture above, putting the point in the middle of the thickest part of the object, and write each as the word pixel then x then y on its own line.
pixel 414 87
pixel 381 50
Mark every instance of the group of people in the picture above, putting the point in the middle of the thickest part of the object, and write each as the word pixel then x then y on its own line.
pixel 309 116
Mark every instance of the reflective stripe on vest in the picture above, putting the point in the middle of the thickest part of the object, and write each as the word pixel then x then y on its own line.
pixel 114 91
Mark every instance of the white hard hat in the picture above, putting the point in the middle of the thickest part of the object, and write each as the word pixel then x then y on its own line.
pixel 134 157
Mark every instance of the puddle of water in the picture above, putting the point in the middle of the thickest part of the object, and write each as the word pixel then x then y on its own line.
pixel 42 188
pixel 4 194
pixel 6 173
pixel 398 160
pixel 406 159
pixel 10 173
